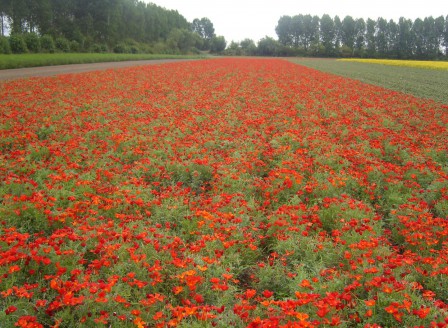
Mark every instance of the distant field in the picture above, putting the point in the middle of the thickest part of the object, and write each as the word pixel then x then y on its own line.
pixel 34 60
pixel 423 83
pixel 439 65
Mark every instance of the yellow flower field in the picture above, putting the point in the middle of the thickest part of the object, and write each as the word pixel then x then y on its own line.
pixel 439 65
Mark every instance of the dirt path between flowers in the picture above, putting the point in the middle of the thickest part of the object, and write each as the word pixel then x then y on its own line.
pixel 22 73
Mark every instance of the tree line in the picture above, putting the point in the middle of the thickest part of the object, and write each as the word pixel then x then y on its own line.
pixel 104 25
pixel 332 37
pixel 136 26
pixel 306 35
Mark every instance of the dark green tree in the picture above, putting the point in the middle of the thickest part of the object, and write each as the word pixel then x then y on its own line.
pixel 5 7
pixel 204 27
pixel 393 40
pixel 431 41
pixel 360 32
pixel 439 26
pixel 43 17
pixel 327 34
pixel 337 33
pixel 404 38
pixel 268 46
pixel 418 40
pixel 297 31
pixel 370 38
pixel 18 13
pixel 381 37
pixel 181 40
pixel 234 49
pixel 248 47
pixel 218 44
pixel 310 31
pixel 348 32
pixel 445 36
pixel 284 30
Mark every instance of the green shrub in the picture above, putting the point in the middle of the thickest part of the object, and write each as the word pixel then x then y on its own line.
pixel 47 44
pixel 32 42
pixel 145 48
pixel 74 46
pixel 62 44
pixel 134 49
pixel 98 47
pixel 160 48
pixel 4 45
pixel 17 44
pixel 122 48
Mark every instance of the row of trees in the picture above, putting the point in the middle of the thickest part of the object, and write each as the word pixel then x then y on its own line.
pixel 267 46
pixel 326 36
pixel 107 23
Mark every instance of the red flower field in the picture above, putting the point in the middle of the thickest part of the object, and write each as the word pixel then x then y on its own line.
pixel 224 192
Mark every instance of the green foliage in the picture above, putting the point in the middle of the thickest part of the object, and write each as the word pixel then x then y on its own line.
pixel 218 44
pixel 110 22
pixel 17 44
pixel 248 47
pixel 269 47
pixel 204 29
pixel 33 60
pixel 75 46
pixel 5 48
pixel 195 176
pixel 32 42
pixel 181 41
pixel 122 48
pixel 98 48
pixel 47 44
pixel 421 39
pixel 346 51
pixel 234 49
pixel 62 44
pixel 44 132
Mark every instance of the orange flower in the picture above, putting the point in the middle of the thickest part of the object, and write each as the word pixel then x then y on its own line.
pixel 370 302
pixel 139 322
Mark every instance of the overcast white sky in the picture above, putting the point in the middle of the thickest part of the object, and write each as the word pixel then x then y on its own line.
pixel 240 19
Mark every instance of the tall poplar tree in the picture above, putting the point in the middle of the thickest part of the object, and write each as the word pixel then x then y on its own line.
pixel 327 34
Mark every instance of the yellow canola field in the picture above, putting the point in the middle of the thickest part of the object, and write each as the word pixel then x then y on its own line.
pixel 439 65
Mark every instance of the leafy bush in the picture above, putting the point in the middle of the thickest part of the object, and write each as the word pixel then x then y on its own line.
pixel 62 44
pixel 98 47
pixel 32 42
pixel 346 51
pixel 122 48
pixel 4 45
pixel 134 49
pixel 74 46
pixel 145 48
pixel 181 41
pixel 218 44
pixel 47 44
pixel 18 44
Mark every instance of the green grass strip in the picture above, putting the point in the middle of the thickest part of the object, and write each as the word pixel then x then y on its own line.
pixel 35 60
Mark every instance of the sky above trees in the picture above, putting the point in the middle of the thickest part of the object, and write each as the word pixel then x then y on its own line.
pixel 255 19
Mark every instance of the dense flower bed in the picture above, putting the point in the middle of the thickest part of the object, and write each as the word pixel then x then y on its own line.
pixel 227 192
